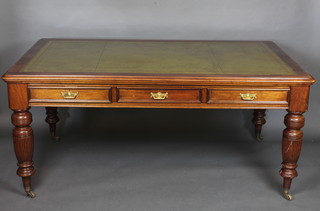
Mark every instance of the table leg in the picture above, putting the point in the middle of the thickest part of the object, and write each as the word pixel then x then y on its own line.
pixel 23 147
pixel 52 118
pixel 259 120
pixel 291 148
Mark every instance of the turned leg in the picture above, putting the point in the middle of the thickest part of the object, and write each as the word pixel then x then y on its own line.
pixel 52 118
pixel 259 120
pixel 291 148
pixel 23 147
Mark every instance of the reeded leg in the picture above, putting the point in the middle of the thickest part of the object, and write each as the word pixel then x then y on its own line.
pixel 259 120
pixel 23 147
pixel 52 118
pixel 291 148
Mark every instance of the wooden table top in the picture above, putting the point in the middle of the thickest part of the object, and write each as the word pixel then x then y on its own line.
pixel 208 60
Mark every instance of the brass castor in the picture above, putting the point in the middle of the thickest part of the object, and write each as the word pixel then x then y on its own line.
pixel 30 193
pixel 287 195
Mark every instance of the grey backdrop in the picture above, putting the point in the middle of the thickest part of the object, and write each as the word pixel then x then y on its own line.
pixel 293 24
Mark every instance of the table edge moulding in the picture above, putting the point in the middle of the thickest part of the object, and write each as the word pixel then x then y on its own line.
pixel 254 75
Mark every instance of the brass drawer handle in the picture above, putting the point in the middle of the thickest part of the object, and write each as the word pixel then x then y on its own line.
pixel 69 95
pixel 159 95
pixel 248 96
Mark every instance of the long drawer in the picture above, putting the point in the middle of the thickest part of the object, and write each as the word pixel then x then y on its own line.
pixel 69 94
pixel 229 95
pixel 159 95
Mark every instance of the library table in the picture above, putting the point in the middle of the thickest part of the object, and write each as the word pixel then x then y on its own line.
pixel 157 74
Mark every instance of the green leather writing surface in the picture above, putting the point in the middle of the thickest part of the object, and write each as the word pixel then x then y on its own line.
pixel 157 57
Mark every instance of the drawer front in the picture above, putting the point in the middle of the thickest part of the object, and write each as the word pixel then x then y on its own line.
pixel 151 95
pixel 70 94
pixel 248 96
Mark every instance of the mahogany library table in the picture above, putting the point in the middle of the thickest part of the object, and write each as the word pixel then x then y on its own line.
pixel 157 74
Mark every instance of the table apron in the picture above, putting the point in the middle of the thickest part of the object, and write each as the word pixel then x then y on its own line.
pixel 154 96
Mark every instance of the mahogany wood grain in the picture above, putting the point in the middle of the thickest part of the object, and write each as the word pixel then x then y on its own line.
pixel 258 121
pixel 84 94
pixel 299 97
pixel 230 95
pixel 22 133
pixel 143 95
pixel 18 96
pixel 291 147
pixel 160 105
pixel 52 118
pixel 23 145
pixel 132 90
